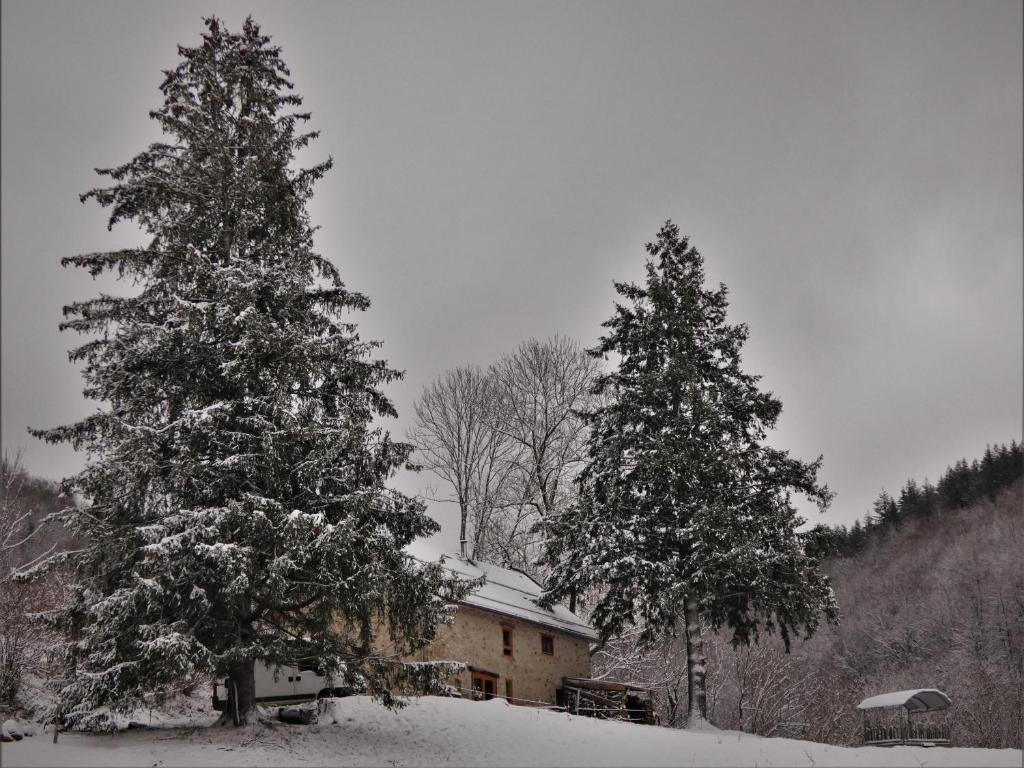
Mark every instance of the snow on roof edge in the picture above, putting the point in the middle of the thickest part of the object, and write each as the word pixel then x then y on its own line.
pixel 514 593
pixel 577 630
pixel 916 699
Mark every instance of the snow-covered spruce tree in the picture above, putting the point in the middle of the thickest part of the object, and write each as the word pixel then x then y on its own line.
pixel 685 514
pixel 234 496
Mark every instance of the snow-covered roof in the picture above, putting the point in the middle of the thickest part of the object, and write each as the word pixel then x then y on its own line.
pixel 514 594
pixel 917 700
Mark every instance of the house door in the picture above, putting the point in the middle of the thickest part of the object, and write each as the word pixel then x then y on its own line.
pixel 484 686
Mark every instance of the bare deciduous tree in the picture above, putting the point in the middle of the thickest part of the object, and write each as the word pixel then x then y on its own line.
pixel 507 443
pixel 659 666
pixel 541 390
pixel 23 641
pixel 455 440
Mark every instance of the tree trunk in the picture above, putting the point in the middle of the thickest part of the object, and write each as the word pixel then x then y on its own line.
pixel 463 514
pixel 673 706
pixel 241 693
pixel 696 663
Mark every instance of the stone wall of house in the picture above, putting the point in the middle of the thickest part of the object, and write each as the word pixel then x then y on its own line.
pixel 475 638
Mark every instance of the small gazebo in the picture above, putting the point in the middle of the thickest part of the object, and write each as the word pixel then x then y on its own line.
pixel 916 718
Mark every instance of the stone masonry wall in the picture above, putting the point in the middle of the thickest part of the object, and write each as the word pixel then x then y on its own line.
pixel 475 638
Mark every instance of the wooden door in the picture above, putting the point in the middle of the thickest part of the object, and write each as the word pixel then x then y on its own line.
pixel 484 686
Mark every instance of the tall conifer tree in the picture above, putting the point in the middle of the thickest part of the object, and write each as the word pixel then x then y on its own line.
pixel 234 502
pixel 685 514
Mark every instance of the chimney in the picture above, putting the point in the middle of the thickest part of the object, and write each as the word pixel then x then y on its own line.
pixel 462 548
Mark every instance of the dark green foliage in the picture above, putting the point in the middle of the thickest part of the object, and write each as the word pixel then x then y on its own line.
pixel 235 504
pixel 681 498
pixel 856 539
pixel 885 512
pixel 823 541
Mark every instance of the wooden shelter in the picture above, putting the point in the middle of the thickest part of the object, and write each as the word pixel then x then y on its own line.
pixel 917 718
pixel 603 698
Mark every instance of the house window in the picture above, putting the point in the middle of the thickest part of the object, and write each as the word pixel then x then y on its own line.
pixel 508 690
pixel 506 640
pixel 547 645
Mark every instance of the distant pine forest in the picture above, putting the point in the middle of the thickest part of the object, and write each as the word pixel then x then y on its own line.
pixel 962 486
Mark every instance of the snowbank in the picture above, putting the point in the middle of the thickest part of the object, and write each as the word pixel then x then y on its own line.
pixel 435 731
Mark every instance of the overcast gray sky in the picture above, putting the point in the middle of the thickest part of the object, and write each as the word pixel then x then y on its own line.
pixel 852 171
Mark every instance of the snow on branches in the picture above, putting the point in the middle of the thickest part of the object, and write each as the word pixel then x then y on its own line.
pixel 684 514
pixel 234 506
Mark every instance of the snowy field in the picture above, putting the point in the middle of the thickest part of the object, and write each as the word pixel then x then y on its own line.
pixel 439 731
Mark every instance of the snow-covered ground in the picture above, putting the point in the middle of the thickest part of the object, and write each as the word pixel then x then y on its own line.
pixel 438 731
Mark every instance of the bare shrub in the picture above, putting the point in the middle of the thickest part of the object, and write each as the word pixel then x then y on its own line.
pixel 25 537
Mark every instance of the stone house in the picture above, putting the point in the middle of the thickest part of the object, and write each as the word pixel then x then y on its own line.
pixel 511 646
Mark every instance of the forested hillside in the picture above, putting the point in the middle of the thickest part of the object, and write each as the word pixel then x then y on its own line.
pixel 938 603
pixel 928 599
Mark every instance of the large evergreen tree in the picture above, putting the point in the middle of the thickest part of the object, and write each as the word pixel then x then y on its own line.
pixel 686 515
pixel 234 505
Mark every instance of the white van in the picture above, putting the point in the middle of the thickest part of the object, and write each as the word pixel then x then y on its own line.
pixel 301 683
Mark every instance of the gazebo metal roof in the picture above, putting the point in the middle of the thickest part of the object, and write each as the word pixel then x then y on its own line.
pixel 918 700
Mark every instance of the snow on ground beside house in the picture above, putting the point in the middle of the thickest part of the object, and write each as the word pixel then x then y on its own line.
pixel 434 731
pixel 179 709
